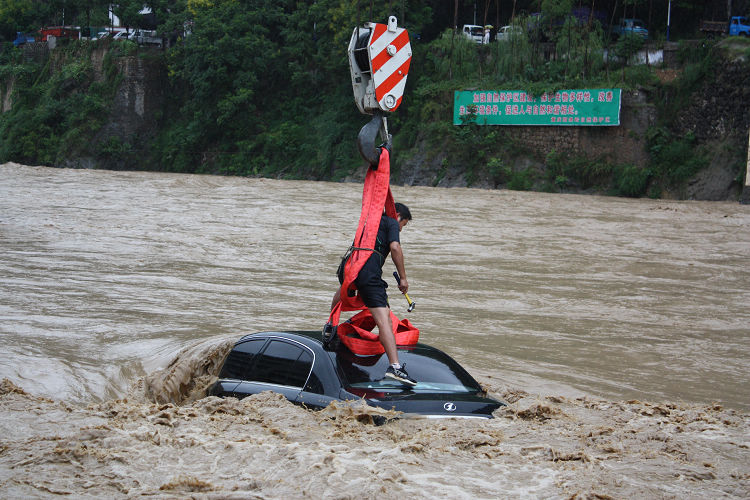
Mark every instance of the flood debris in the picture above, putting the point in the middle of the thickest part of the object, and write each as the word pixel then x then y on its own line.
pixel 264 446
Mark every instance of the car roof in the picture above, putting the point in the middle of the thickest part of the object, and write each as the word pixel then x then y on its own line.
pixel 313 337
pixel 299 335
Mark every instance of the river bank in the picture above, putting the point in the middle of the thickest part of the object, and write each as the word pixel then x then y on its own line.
pixel 682 134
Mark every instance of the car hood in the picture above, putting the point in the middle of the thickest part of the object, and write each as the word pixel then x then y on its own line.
pixel 434 404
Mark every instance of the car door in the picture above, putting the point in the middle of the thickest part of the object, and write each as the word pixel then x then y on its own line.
pixel 283 367
pixel 322 386
pixel 237 367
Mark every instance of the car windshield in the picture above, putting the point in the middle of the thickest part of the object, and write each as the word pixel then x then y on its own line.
pixel 434 371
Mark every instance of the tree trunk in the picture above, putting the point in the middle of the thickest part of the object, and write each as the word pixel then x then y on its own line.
pixel 588 37
pixel 484 23
pixel 453 37
pixel 609 38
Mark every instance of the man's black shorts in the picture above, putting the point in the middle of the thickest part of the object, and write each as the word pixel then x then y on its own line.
pixel 371 289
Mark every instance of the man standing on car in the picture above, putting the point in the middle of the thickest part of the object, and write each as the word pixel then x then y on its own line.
pixel 371 287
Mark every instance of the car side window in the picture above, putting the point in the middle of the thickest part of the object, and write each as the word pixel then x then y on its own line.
pixel 313 382
pixel 283 363
pixel 240 359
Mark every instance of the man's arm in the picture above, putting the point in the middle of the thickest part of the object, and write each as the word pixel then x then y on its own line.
pixel 397 255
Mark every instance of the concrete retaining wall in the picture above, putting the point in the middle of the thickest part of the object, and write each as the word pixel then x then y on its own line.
pixel 618 144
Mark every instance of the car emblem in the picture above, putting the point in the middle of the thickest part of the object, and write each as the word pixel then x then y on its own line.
pixel 449 407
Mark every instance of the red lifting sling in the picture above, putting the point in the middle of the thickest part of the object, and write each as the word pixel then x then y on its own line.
pixel 356 333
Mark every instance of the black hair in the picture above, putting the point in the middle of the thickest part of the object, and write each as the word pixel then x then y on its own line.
pixel 403 211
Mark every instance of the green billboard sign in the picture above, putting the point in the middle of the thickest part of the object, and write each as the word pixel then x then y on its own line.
pixel 586 107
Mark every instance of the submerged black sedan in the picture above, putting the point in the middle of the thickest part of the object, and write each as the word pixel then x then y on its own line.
pixel 298 366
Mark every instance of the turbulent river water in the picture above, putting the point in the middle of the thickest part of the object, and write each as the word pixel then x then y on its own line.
pixel 618 331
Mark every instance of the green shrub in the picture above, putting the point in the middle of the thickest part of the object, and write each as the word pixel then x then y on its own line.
pixel 113 147
pixel 564 170
pixel 630 180
pixel 55 113
pixel 692 52
pixel 522 180
pixel 673 160
pixel 498 170
pixel 627 46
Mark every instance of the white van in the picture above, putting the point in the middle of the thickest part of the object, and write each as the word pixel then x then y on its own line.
pixel 474 32
pixel 507 32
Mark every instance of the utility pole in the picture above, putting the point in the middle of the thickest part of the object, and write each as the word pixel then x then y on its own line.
pixel 669 16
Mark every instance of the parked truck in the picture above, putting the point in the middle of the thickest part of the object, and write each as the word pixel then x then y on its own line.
pixel 60 32
pixel 737 26
pixel 630 26
pixel 22 38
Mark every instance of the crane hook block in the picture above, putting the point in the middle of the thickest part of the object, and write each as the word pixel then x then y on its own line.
pixel 366 139
pixel 379 59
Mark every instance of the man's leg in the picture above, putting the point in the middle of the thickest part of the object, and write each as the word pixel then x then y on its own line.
pixel 386 329
pixel 382 318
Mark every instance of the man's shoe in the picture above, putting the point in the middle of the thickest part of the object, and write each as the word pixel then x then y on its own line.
pixel 400 375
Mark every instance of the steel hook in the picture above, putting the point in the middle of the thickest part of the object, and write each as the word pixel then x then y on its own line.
pixel 367 137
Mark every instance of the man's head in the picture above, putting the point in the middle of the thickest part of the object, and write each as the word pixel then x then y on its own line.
pixel 404 215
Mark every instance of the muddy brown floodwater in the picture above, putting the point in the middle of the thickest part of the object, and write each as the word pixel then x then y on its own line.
pixel 617 330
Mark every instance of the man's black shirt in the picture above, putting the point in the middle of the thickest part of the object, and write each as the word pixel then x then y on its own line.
pixel 388 232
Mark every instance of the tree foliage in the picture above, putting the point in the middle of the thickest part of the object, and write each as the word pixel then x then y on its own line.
pixel 55 113
pixel 262 87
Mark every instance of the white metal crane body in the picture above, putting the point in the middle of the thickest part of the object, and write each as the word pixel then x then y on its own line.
pixel 379 59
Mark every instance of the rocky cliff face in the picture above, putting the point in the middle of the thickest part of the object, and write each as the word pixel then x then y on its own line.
pixel 718 115
pixel 721 108
pixel 134 112
pixel 7 92
pixel 137 106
